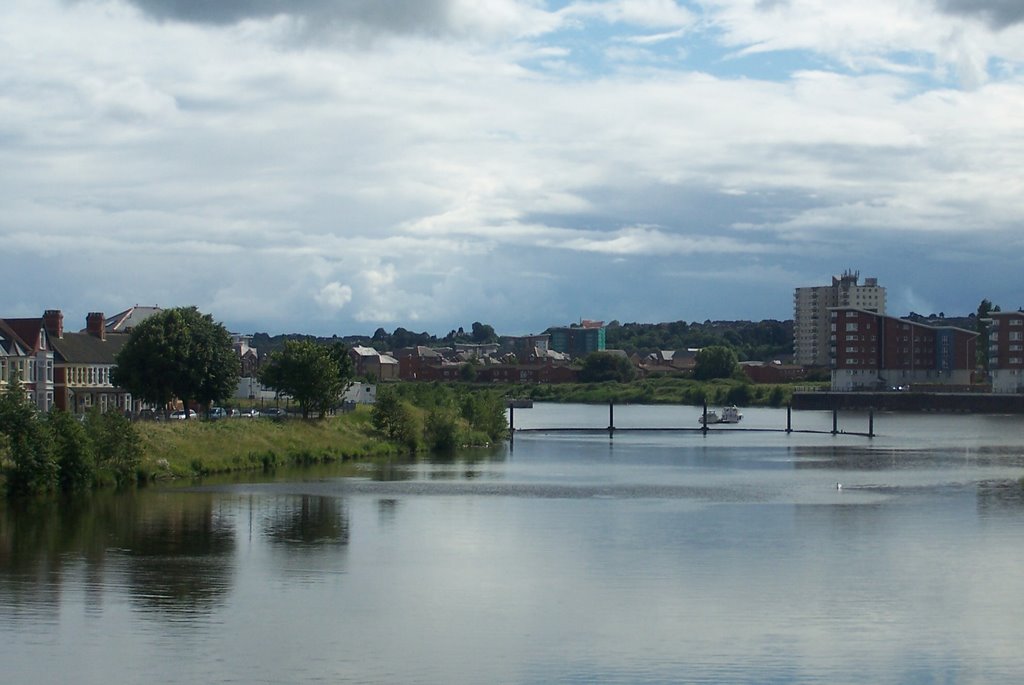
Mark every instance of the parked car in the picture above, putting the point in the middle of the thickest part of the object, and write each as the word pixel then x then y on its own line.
pixel 217 413
pixel 275 413
pixel 180 415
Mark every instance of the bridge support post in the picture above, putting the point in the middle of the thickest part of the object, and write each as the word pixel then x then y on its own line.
pixel 871 423
pixel 704 420
pixel 611 418
pixel 835 421
pixel 789 418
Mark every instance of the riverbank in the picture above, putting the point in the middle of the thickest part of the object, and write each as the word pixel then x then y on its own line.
pixel 177 449
pixel 661 391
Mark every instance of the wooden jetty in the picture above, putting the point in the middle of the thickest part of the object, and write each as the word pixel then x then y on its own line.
pixel 704 428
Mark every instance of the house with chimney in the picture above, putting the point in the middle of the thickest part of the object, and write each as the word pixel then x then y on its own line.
pixel 63 369
pixel 84 362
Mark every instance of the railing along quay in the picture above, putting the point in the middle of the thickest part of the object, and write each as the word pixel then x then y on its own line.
pixel 704 428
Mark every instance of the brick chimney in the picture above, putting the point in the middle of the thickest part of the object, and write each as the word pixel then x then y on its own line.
pixel 53 322
pixel 94 325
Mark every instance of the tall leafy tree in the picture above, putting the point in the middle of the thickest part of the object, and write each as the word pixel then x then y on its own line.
pixel 606 366
pixel 178 353
pixel 985 307
pixel 312 374
pixel 716 361
pixel 483 333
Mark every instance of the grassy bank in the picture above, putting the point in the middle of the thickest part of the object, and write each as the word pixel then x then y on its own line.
pixel 190 448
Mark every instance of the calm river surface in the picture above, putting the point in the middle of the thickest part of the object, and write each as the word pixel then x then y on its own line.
pixel 654 557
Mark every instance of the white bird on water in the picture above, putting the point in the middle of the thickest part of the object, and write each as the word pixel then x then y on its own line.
pixel 839 486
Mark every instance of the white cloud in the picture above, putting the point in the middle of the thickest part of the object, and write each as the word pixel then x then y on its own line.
pixel 334 295
pixel 656 14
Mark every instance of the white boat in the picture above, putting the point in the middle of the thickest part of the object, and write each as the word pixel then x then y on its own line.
pixel 729 415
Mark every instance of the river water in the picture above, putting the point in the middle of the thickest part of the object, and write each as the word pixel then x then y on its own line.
pixel 652 557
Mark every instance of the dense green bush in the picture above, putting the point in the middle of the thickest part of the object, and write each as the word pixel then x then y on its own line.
pixel 32 468
pixel 73 451
pixel 56 451
pixel 395 421
pixel 117 445
pixel 442 430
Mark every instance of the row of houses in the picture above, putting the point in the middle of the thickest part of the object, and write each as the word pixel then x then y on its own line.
pixel 509 361
pixel 530 359
pixel 64 369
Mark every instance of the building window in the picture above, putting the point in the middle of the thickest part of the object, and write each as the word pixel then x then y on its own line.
pixel 1016 322
pixel 851 326
pixel 1016 335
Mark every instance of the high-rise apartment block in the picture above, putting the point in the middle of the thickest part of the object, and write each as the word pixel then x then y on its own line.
pixel 811 321
pixel 579 341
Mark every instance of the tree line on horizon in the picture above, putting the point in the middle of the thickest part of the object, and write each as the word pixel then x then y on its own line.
pixel 750 340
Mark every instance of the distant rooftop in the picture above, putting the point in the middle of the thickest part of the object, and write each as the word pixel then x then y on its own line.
pixel 129 318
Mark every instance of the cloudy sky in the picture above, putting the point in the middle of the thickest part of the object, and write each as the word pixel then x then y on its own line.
pixel 331 166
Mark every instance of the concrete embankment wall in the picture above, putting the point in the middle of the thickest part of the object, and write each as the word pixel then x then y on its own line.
pixel 972 403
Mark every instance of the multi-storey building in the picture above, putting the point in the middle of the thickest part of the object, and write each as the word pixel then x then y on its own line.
pixel 811 313
pixel 579 341
pixel 873 351
pixel 1006 351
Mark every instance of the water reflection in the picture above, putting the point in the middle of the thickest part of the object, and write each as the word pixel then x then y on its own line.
pixel 387 510
pixel 180 551
pixel 392 471
pixel 846 457
pixel 307 521
pixel 1001 497
pixel 171 551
